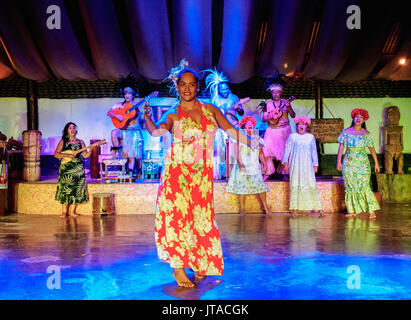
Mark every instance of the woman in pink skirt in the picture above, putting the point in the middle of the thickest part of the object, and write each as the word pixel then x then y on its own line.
pixel 276 112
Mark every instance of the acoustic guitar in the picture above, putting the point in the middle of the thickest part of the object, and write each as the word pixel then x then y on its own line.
pixel 76 152
pixel 128 111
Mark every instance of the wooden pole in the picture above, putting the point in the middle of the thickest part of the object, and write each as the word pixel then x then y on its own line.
pixel 318 100
pixel 319 115
pixel 94 164
pixel 32 106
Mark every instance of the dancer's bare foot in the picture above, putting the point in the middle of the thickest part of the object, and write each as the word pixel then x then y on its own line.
pixel 198 276
pixel 182 279
pixel 242 212
pixel 267 211
pixel 350 215
pixel 64 215
pixel 294 214
pixel 319 212
pixel 372 215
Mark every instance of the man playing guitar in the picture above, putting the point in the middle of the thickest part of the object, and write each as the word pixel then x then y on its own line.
pixel 130 138
pixel 231 106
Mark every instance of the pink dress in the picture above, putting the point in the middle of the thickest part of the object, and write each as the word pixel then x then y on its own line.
pixel 275 138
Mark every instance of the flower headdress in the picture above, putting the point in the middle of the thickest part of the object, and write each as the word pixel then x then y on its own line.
pixel 246 119
pixel 173 76
pixel 303 119
pixel 213 80
pixel 128 85
pixel 361 112
pixel 276 82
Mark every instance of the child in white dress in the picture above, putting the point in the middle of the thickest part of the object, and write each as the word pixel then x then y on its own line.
pixel 301 159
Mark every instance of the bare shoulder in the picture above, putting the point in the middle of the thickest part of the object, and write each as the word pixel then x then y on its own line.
pixel 172 114
pixel 212 108
pixel 60 144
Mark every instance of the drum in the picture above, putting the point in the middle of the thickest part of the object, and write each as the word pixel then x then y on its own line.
pixel 125 179
pixel 150 169
pixel 103 204
pixel 31 155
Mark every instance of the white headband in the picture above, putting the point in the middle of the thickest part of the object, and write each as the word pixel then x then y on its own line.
pixel 275 86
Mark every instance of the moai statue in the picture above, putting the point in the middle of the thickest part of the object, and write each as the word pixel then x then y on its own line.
pixel 393 141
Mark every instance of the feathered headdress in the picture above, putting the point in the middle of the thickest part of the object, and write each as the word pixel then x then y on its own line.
pixel 128 82
pixel 213 80
pixel 276 82
pixel 173 76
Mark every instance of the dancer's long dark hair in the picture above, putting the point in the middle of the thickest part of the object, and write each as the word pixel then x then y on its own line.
pixel 65 136
pixel 362 126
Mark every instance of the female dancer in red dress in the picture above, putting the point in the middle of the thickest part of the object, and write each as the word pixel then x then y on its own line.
pixel 186 232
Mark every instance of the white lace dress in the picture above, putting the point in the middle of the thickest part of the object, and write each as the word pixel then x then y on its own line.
pixel 301 155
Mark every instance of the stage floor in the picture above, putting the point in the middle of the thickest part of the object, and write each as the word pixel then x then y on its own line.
pixel 140 198
pixel 265 257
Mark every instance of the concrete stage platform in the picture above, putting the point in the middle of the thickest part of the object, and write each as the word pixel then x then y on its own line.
pixel 140 197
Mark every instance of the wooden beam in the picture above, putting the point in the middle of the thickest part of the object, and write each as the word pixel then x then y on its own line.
pixel 32 106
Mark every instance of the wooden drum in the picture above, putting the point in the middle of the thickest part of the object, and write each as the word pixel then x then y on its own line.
pixel 31 155
pixel 150 168
pixel 103 204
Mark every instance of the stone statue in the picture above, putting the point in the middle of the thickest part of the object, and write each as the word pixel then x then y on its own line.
pixel 393 139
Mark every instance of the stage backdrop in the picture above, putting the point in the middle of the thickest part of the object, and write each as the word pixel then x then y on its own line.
pixel 13 117
pixel 90 116
pixel 341 108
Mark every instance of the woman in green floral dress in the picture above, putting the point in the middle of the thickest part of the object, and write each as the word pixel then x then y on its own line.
pixel 356 166
pixel 71 184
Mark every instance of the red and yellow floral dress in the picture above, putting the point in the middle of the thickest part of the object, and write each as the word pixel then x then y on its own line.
pixel 186 231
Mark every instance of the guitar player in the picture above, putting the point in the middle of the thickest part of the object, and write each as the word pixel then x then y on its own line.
pixel 130 138
pixel 230 105
pixel 276 112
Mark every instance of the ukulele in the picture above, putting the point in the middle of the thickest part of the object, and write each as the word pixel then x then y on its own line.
pixel 128 111
pixel 76 152
pixel 278 112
